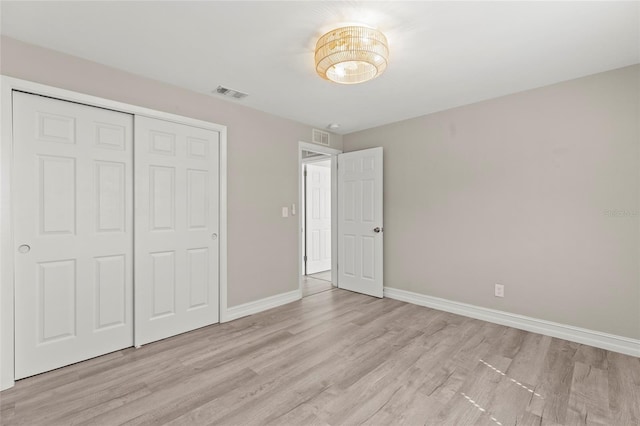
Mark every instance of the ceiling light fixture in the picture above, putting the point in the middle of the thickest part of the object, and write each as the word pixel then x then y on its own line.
pixel 351 55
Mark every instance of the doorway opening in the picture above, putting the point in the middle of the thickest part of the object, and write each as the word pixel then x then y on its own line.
pixel 317 219
pixel 316 209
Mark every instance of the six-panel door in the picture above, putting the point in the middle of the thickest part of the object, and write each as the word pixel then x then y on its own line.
pixel 176 234
pixel 73 232
pixel 360 224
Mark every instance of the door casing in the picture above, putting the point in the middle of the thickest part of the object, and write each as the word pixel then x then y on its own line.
pixel 333 153
pixel 7 244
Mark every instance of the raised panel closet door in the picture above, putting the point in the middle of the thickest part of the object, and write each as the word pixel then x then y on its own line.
pixel 73 224
pixel 176 212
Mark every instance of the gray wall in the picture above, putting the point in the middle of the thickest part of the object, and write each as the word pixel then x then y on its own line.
pixel 522 190
pixel 538 191
pixel 262 246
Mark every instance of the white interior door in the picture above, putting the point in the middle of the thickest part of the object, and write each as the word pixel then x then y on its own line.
pixel 176 213
pixel 72 201
pixel 318 214
pixel 360 231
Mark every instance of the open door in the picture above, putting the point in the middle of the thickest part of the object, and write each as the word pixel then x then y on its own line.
pixel 360 231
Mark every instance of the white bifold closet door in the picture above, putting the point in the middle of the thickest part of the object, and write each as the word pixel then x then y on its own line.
pixel 176 234
pixel 73 232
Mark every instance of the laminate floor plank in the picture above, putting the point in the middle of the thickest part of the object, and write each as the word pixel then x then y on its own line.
pixel 624 383
pixel 312 362
pixel 554 383
pixel 510 397
pixel 321 365
pixel 589 399
pixel 324 275
pixel 339 358
pixel 312 285
pixel 595 357
pixel 528 362
pixel 374 389
pixel 406 404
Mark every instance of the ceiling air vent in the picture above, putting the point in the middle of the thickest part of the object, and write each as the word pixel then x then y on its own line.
pixel 320 137
pixel 231 93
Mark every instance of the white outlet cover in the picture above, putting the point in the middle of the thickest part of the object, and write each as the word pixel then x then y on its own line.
pixel 499 290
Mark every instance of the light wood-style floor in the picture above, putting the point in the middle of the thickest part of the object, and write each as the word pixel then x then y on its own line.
pixel 312 285
pixel 324 275
pixel 340 358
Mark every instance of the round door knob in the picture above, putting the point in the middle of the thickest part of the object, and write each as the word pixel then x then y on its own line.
pixel 214 236
pixel 24 248
pixel 377 229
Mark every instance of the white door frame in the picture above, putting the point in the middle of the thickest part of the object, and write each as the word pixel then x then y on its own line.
pixel 7 86
pixel 333 153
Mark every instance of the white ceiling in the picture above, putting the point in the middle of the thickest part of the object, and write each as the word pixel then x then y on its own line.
pixel 443 54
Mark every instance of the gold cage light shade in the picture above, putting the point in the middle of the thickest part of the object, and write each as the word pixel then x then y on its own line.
pixel 351 55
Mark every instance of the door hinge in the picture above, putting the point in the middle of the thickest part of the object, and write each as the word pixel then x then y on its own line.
pixel 305 173
pixel 305 258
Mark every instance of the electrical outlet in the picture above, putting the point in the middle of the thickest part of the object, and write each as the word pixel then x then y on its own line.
pixel 499 290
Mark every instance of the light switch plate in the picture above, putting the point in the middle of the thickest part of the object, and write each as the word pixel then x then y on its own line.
pixel 285 212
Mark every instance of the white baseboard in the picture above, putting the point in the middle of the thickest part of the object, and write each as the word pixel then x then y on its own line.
pixel 251 308
pixel 611 342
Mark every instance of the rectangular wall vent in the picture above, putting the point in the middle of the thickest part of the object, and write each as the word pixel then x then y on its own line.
pixel 231 93
pixel 320 137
